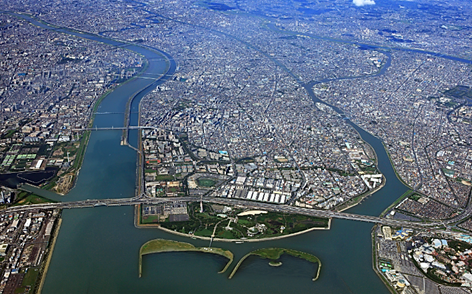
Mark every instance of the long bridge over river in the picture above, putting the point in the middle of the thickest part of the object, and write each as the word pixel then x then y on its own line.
pixel 113 128
pixel 246 204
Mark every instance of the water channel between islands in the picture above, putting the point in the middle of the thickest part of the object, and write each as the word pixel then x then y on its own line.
pixel 97 248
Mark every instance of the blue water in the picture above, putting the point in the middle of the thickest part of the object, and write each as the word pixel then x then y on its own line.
pixel 97 248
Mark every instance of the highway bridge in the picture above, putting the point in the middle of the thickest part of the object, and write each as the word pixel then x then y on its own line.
pixel 113 128
pixel 241 203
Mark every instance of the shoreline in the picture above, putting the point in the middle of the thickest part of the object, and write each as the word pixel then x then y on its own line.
pixel 281 251
pixel 140 154
pixel 49 255
pixel 384 179
pixel 87 134
pixel 367 194
pixel 375 262
pixel 156 226
pixel 188 248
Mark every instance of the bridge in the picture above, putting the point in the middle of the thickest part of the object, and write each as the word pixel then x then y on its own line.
pixel 108 112
pixel 114 128
pixel 241 203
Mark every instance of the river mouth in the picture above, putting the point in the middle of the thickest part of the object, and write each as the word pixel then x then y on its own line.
pixel 96 250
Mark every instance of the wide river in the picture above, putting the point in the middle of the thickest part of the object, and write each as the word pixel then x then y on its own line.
pixel 97 248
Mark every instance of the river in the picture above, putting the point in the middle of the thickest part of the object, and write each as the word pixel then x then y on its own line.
pixel 97 248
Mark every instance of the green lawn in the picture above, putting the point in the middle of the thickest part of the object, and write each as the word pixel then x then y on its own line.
pixel 149 219
pixel 226 235
pixel 164 178
pixel 29 280
pixel 174 189
pixel 415 197
pixel 205 182
pixel 204 233
pixel 25 198
pixel 9 134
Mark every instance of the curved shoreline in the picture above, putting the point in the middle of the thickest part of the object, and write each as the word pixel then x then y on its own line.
pixel 140 226
pixel 366 194
pixel 282 251
pixel 83 34
pixel 170 66
pixel 175 246
pixel 254 240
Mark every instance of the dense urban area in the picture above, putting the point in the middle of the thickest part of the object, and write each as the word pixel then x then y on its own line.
pixel 25 237
pixel 49 85
pixel 263 107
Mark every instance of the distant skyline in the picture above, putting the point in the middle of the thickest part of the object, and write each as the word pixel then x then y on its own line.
pixel 232 121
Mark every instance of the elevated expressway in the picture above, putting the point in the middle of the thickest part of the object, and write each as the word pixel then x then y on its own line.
pixel 246 204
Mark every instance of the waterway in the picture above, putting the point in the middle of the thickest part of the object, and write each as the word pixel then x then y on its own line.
pixel 97 248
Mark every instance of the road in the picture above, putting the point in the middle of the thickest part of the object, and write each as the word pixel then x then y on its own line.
pixel 246 204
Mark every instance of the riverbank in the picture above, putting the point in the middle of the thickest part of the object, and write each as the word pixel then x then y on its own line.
pixel 49 255
pixel 85 137
pixel 71 272
pixel 358 200
pixel 64 183
pixel 127 120
pixel 408 193
pixel 75 169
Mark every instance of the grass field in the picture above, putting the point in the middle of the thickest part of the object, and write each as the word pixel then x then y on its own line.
pixel 204 182
pixel 149 219
pixel 164 178
pixel 25 198
pixel 29 282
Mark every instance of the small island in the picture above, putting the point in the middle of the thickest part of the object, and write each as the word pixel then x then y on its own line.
pixel 161 245
pixel 274 254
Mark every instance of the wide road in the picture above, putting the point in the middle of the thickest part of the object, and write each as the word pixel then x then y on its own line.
pixel 245 204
